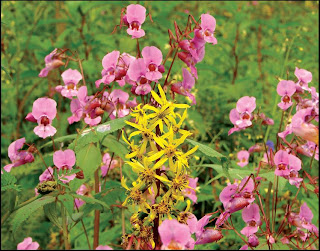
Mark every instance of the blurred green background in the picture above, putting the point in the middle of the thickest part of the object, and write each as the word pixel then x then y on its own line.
pixel 259 40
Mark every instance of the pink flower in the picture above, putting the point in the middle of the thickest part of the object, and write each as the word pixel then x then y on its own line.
pixel 109 63
pixel 136 15
pixel 195 47
pixel 304 77
pixel 83 190
pixel 152 57
pixel 106 247
pixel 191 193
pixel 106 161
pixel 47 175
pixel 208 236
pixel 17 157
pixel 208 25
pixel 286 89
pixel 137 72
pixel 308 149
pixel 235 197
pixel 241 116
pixel 251 216
pixel 70 78
pixel 185 86
pixel 44 110
pixel 64 159
pixel 243 157
pixel 174 235
pixel 52 61
pixel 301 127
pixel 27 244
pixel 190 61
pixel 253 240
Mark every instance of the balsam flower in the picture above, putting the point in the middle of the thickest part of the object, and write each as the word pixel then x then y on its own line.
pixel 241 116
pixel 208 25
pixel 137 72
pixel 64 160
pixel 83 190
pixel 44 110
pixel 251 217
pixel 243 157
pixel 304 77
pixel 152 57
pixel 27 244
pixel 309 149
pixel 286 88
pixel 136 15
pixel 18 157
pixel 184 87
pixel 108 164
pixel 191 192
pixel 207 235
pixel 303 220
pixel 235 197
pixel 174 235
pixel 105 247
pixel 53 60
pixel 70 78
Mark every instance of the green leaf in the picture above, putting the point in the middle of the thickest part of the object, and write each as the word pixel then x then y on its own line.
pixel 68 202
pixel 115 146
pixel 60 139
pixel 50 211
pixel 270 177
pixel 208 151
pixel 5 70
pixel 89 159
pixel 235 173
pixel 25 212
pixel 8 181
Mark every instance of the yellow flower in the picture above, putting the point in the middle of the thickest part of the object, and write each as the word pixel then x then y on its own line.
pixel 138 113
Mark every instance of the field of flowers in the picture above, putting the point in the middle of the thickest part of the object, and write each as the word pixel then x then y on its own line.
pixel 146 125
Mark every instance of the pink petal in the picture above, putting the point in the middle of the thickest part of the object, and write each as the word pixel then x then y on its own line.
pixel 70 75
pixel 44 106
pixel 286 87
pixel 251 213
pixel 110 60
pixel 136 33
pixel 137 69
pixel 281 157
pixel 136 12
pixel 172 230
pixel 119 96
pixel 246 104
pixel 208 22
pixel 303 75
pixel 188 80
pixel 44 131
pixel 64 158
pixel 151 54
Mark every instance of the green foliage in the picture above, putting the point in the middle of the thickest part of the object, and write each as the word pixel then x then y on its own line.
pixel 88 159
pixel 25 212
pixel 51 211
pixel 8 181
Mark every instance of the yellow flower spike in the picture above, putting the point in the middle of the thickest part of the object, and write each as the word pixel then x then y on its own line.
pixel 188 206
pixel 123 183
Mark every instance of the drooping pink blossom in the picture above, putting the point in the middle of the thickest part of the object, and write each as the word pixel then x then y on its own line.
pixel 18 157
pixel 109 63
pixel 304 77
pixel 253 240
pixel 243 157
pixel 208 236
pixel 52 61
pixel 136 15
pixel 190 61
pixel 174 235
pixel 44 110
pixel 236 196
pixel 64 159
pixel 251 217
pixel 185 86
pixel 70 78
pixel 208 26
pixel 83 190
pixel 27 244
pixel 241 116
pixel 286 88
pixel 191 193
pixel 303 220
pixel 309 149
pixel 152 57
pixel 107 165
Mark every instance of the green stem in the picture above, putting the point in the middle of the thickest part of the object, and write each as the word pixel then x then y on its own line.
pixel 65 228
